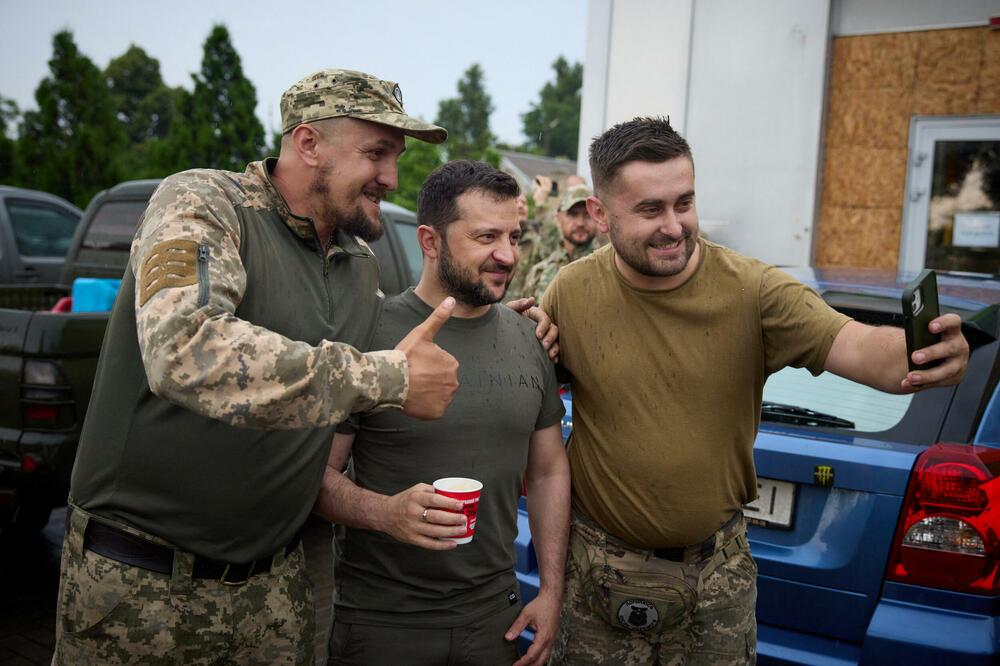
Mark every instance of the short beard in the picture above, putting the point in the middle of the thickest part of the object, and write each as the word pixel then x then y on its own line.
pixel 355 223
pixel 580 243
pixel 634 255
pixel 466 290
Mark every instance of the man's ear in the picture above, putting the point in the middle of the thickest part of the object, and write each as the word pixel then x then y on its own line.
pixel 429 240
pixel 598 213
pixel 306 139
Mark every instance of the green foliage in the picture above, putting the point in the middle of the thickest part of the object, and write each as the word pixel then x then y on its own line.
pixel 215 125
pixel 146 108
pixel 467 118
pixel 552 126
pixel 8 119
pixel 415 165
pixel 143 101
pixel 69 146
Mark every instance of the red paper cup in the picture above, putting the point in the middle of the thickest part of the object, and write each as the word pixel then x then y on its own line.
pixel 466 491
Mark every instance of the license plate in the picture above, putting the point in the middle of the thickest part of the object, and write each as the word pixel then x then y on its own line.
pixel 774 506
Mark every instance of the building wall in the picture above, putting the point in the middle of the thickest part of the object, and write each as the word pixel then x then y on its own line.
pixel 877 83
pixel 743 82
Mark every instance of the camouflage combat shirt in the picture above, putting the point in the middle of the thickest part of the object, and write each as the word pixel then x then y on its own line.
pixel 541 274
pixel 219 384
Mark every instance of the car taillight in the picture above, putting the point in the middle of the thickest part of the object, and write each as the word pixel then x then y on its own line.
pixel 948 530
pixel 46 399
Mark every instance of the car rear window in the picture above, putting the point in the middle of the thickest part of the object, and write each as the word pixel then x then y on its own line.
pixel 870 410
pixel 114 225
pixel 41 230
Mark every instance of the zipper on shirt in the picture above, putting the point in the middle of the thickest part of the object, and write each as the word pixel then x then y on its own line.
pixel 203 285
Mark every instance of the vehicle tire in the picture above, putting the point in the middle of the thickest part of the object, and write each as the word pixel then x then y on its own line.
pixel 27 521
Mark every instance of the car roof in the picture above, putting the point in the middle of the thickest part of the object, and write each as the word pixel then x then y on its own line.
pixel 11 191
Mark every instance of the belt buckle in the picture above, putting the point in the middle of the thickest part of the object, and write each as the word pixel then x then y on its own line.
pixel 236 583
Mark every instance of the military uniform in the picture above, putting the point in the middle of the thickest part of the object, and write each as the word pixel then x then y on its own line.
pixel 546 241
pixel 526 248
pixel 541 274
pixel 230 355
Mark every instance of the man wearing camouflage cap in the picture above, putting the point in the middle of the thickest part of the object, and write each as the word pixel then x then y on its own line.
pixel 230 355
pixel 578 232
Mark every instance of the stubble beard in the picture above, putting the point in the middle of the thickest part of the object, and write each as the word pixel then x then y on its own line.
pixel 466 289
pixel 634 254
pixel 355 222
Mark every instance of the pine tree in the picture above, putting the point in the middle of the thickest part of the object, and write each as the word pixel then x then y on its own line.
pixel 552 126
pixel 8 121
pixel 467 118
pixel 216 125
pixel 70 146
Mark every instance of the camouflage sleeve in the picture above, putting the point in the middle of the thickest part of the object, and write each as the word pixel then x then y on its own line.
pixel 199 355
pixel 531 282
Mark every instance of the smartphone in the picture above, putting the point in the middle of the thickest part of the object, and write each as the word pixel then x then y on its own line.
pixel 920 307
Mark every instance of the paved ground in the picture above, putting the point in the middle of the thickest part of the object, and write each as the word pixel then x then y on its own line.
pixel 29 583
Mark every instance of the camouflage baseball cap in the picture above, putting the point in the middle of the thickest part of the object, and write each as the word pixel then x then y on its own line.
pixel 573 196
pixel 330 93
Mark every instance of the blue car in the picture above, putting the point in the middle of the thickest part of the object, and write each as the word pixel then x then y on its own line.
pixel 877 527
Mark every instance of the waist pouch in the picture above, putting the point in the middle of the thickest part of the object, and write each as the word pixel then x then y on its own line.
pixel 629 588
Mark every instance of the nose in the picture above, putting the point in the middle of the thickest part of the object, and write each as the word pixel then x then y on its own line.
pixel 670 225
pixel 506 254
pixel 388 175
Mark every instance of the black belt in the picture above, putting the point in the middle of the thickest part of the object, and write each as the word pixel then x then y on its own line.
pixel 705 549
pixel 134 550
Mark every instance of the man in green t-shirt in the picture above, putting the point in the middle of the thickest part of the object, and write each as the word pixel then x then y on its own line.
pixel 404 593
pixel 667 340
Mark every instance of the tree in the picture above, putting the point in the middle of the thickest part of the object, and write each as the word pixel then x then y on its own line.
pixel 8 120
pixel 415 165
pixel 467 118
pixel 71 144
pixel 145 104
pixel 552 126
pixel 216 125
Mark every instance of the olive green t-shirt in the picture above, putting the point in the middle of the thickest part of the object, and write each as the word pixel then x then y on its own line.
pixel 667 386
pixel 507 390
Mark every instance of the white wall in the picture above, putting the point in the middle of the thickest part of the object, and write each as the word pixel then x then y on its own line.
pixel 637 64
pixel 755 118
pixel 862 17
pixel 744 83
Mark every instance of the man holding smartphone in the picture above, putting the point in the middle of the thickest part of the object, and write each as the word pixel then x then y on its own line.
pixel 667 340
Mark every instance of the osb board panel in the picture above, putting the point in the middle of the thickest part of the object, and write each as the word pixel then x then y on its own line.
pixel 864 177
pixel 950 57
pixel 870 119
pixel 989 75
pixel 859 237
pixel 945 99
pixel 871 62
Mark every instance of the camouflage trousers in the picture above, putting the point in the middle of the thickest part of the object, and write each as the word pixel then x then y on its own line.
pixel 681 613
pixel 114 613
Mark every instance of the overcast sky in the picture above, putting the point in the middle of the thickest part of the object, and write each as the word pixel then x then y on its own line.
pixel 424 46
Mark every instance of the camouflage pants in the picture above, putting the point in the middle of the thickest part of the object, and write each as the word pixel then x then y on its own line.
pixel 717 626
pixel 114 613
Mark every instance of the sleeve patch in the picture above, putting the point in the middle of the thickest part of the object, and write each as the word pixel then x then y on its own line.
pixel 172 263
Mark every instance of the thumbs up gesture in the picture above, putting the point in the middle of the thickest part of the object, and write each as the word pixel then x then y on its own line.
pixel 433 371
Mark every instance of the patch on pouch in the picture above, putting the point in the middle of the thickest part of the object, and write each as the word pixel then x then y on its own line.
pixel 172 263
pixel 638 615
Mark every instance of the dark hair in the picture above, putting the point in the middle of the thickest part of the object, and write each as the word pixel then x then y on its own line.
pixel 437 203
pixel 639 139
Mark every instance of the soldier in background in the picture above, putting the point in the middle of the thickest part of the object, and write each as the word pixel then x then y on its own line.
pixel 230 355
pixel 578 231
pixel 526 245
pixel 549 235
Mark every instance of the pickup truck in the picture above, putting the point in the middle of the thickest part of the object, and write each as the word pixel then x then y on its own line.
pixel 35 233
pixel 48 359
pixel 877 527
